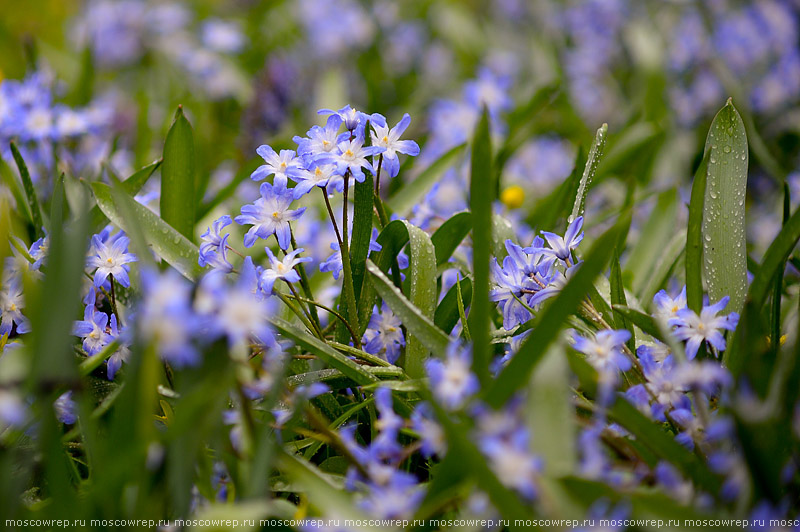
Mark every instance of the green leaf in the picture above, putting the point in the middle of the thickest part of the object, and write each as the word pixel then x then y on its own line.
pixel 694 239
pixel 450 234
pixel 502 230
pixel 338 380
pixel 413 192
pixel 724 244
pixel 421 280
pixel 30 192
pixel 168 243
pixel 645 322
pixel 392 240
pixel 423 294
pixel 131 186
pixel 481 192
pixel 417 323
pixel 178 200
pixel 326 353
pixel 56 304
pixel 553 318
pixel 362 232
pixel 618 298
pixel 447 313
pixel 550 411
pixel 13 182
pixel 595 154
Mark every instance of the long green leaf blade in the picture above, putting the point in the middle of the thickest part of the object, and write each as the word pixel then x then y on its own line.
pixel 167 242
pixel 325 352
pixel 30 191
pixel 694 239
pixel 132 185
pixel 450 234
pixel 724 246
pixel 177 177
pixel 595 154
pixel 422 277
pixel 415 321
pixel 481 192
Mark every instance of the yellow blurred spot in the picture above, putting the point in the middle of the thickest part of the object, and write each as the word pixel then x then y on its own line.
pixel 513 197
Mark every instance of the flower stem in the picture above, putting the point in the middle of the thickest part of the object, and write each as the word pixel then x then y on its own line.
pixel 301 270
pixel 114 300
pixel 347 282
pixel 379 207
pixel 330 213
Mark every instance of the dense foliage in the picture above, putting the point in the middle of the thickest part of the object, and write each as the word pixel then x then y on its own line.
pixel 400 261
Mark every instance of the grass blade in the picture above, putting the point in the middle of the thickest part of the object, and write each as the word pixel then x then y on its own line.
pixel 481 192
pixel 30 192
pixel 132 185
pixel 589 171
pixel 422 279
pixel 618 298
pixel 724 246
pixel 415 321
pixel 694 239
pixel 450 234
pixel 773 262
pixel 448 312
pixel 329 355
pixel 177 177
pixel 167 242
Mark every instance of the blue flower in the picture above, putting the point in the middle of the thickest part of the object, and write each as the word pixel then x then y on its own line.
pixel 664 385
pixel 38 251
pixel 214 247
pixel 352 155
pixel 282 269
pixel 504 438
pixel 242 315
pixel 165 317
pixel 66 409
pixel 319 175
pixel 12 302
pixel 222 36
pixel 111 260
pixel 452 380
pixel 604 352
pixel 667 307
pixel 389 139
pixel 432 436
pixel 354 120
pixel 270 214
pixel 705 327
pixel 384 336
pixel 562 247
pixel 93 329
pixel 321 140
pixel 13 411
pixel 277 164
